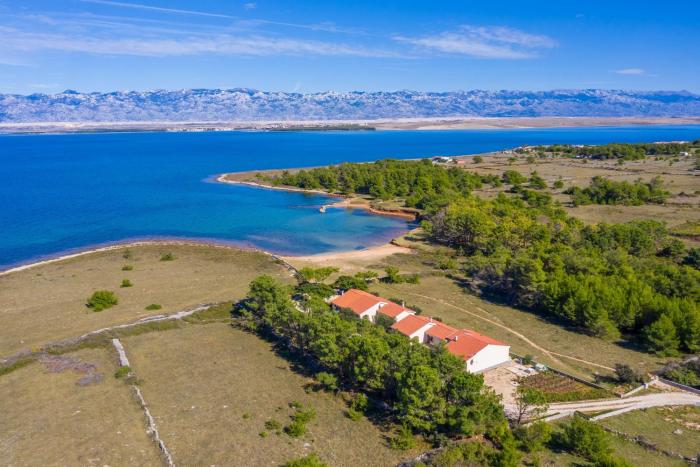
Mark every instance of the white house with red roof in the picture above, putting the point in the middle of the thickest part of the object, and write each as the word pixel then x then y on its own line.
pixel 479 352
pixel 366 305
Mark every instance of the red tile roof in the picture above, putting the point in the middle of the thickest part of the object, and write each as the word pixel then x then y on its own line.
pixel 465 344
pixel 441 331
pixel 410 324
pixel 392 310
pixel 356 300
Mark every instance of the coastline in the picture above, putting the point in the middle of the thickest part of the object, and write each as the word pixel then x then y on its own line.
pixel 345 202
pixel 375 252
pixel 388 124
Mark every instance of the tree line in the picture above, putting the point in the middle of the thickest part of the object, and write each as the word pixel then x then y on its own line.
pixel 623 151
pixel 607 279
pixel 420 183
pixel 425 389
pixel 602 190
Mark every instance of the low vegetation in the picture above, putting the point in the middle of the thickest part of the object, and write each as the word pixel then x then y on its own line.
pixel 102 300
pixel 556 388
pixel 604 191
pixel 622 151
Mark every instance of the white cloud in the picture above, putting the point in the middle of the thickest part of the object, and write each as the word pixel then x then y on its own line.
pixel 139 6
pixel 484 42
pixel 223 44
pixel 250 6
pixel 631 71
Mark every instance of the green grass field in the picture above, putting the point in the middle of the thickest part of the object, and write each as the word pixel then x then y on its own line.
pixel 674 429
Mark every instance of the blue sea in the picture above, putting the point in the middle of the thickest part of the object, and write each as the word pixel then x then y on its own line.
pixel 62 193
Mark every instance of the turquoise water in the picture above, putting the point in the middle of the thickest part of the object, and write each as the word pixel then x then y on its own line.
pixel 65 192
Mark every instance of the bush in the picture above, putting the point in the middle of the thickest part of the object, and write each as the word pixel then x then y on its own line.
pixel 297 427
pixel 126 283
pixel 122 371
pixel 127 267
pixel 403 440
pixel 153 306
pixel 328 381
pixel 585 439
pixel 477 159
pixel 558 184
pixel 513 177
pixel 167 257
pixel 311 460
pixel 273 425
pixel 101 300
pixel 625 374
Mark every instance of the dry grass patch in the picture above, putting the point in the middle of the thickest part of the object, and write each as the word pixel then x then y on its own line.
pixel 47 303
pixel 212 389
pixel 56 413
pixel 674 429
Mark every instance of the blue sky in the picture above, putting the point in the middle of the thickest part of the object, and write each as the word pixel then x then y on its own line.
pixel 307 46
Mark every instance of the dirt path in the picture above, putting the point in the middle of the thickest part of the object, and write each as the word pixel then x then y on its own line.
pixel 620 406
pixel 549 353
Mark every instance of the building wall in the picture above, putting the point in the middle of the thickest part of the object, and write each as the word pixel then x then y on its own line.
pixel 488 357
pixel 371 313
pixel 419 335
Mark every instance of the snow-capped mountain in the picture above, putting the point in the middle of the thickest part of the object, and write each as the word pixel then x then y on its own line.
pixel 204 105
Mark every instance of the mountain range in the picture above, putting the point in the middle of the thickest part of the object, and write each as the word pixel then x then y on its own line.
pixel 208 105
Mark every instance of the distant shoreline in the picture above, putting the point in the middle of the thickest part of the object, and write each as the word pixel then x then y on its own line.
pixel 421 124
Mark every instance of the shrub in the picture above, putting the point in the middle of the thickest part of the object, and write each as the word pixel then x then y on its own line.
pixel 447 263
pixel 513 177
pixel 263 434
pixel 477 159
pixel 360 403
pixel 534 436
pixel 558 184
pixel 273 425
pixel 122 371
pixel 167 257
pixel 403 440
pixel 311 460
pixel 126 283
pixel 328 381
pixel 127 267
pixel 625 373
pixel 585 439
pixel 412 279
pixel 350 282
pixel 126 254
pixel 295 429
pixel 101 300
pixel 153 306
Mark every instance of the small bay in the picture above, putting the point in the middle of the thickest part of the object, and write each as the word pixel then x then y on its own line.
pixel 60 193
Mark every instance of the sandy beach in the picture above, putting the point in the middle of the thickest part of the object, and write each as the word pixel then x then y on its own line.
pixel 371 253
